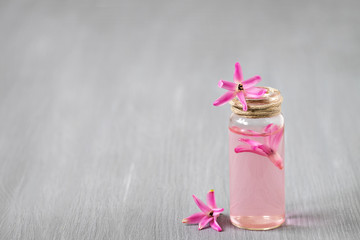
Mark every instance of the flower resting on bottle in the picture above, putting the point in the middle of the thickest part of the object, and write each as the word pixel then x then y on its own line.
pixel 241 89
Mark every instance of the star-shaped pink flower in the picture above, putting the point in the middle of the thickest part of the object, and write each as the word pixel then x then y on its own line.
pixel 241 89
pixel 208 214
pixel 269 149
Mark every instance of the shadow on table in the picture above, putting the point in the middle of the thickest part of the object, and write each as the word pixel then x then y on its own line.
pixel 305 219
pixel 319 220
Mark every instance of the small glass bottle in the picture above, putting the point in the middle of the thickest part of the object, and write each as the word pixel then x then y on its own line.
pixel 256 154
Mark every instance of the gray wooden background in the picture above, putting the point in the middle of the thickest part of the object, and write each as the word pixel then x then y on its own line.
pixel 107 124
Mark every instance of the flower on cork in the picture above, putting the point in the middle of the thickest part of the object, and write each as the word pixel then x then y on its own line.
pixel 269 149
pixel 208 214
pixel 240 88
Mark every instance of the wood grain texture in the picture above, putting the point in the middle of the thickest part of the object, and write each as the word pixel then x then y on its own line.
pixel 107 124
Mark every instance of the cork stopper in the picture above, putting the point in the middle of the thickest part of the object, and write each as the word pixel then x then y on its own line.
pixel 269 105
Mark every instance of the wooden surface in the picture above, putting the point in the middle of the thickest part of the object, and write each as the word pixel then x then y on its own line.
pixel 107 124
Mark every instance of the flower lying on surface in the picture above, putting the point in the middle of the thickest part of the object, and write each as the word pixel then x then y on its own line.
pixel 240 88
pixel 208 214
pixel 267 150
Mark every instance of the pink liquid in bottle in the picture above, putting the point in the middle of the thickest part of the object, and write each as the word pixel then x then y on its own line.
pixel 257 187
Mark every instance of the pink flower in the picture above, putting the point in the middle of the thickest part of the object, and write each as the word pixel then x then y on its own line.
pixel 208 214
pixel 267 150
pixel 241 89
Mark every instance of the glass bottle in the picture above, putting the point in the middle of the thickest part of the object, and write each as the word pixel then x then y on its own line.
pixel 256 154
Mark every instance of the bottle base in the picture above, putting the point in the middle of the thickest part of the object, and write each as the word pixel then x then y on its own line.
pixel 258 222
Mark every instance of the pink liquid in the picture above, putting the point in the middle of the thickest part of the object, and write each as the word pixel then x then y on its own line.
pixel 257 186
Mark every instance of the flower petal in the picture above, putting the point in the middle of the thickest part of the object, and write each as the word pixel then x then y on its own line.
pixel 194 219
pixel 266 149
pixel 252 143
pixel 238 77
pixel 275 134
pixel 205 209
pixel 248 132
pixel 255 92
pixel 268 127
pixel 214 224
pixel 204 221
pixel 241 98
pixel 251 82
pixel 275 141
pixel 277 160
pixel 224 98
pixel 217 211
pixel 240 149
pixel 210 199
pixel 227 85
